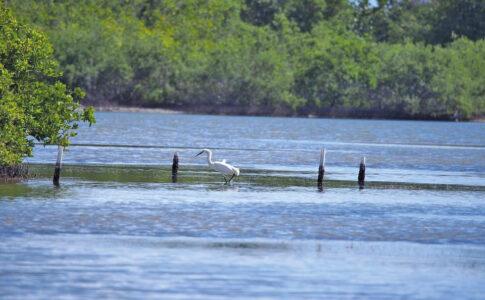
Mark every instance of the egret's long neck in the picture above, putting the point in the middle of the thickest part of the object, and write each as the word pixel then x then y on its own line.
pixel 209 158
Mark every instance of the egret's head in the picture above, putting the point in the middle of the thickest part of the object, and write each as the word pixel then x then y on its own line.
pixel 203 151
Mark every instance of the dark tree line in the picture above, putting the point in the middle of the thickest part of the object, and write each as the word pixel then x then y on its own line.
pixel 399 58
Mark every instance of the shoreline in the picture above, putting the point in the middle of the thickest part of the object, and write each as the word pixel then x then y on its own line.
pixel 134 109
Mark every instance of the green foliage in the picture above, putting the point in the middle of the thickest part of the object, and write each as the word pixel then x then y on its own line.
pixel 386 58
pixel 450 18
pixel 336 70
pixel 392 21
pixel 417 80
pixel 33 103
pixel 406 80
pixel 433 21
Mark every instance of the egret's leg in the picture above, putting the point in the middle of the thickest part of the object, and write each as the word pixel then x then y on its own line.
pixel 231 177
pixel 225 179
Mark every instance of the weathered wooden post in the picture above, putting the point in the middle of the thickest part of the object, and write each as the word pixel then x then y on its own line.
pixel 361 177
pixel 57 170
pixel 175 167
pixel 321 170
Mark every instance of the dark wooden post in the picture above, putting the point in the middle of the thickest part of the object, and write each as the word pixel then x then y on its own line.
pixel 57 170
pixel 175 167
pixel 361 177
pixel 321 170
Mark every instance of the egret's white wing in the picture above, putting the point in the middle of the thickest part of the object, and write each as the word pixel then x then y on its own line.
pixel 225 168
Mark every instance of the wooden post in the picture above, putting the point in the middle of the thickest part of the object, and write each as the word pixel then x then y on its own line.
pixel 57 170
pixel 321 170
pixel 361 177
pixel 175 167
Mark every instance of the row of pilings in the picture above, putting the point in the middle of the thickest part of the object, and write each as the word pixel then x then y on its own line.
pixel 175 168
pixel 321 171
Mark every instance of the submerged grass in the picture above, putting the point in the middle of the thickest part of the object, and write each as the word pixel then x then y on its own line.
pixel 199 174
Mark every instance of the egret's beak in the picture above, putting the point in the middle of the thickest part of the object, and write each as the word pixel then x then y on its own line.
pixel 199 153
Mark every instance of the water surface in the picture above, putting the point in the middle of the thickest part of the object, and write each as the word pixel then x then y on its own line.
pixel 401 151
pixel 111 231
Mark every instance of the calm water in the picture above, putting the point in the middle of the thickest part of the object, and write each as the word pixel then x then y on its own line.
pixel 401 151
pixel 112 239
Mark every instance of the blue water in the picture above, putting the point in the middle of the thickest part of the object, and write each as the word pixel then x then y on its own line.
pixel 93 239
pixel 400 151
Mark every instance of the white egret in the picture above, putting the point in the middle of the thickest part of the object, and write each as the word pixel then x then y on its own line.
pixel 221 166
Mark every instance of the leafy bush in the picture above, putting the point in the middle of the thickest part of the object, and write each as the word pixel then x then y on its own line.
pixel 34 104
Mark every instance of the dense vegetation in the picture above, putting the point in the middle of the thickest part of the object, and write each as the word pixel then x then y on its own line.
pixel 34 104
pixel 399 58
